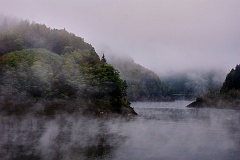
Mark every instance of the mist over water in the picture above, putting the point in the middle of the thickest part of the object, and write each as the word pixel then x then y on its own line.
pixel 165 130
pixel 168 130
pixel 168 37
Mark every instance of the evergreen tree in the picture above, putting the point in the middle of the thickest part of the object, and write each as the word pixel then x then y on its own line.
pixel 103 59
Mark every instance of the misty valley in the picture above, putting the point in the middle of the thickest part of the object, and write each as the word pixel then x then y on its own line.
pixel 61 100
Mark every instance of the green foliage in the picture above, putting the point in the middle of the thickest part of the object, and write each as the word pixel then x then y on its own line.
pixel 35 73
pixel 108 85
pixel 41 64
pixel 41 74
pixel 102 80
pixel 232 81
pixel 26 35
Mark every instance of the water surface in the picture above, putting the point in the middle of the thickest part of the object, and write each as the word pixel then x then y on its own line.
pixel 169 130
pixel 162 130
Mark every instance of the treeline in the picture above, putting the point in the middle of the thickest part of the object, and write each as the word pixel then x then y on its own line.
pixel 39 64
pixel 26 35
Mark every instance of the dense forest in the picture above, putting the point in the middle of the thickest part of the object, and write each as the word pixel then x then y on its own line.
pixel 56 69
pixel 143 84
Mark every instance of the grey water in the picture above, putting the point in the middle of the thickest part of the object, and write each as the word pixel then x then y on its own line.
pixel 161 131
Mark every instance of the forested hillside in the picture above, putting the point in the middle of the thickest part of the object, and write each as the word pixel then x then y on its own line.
pixel 143 84
pixel 58 69
pixel 26 35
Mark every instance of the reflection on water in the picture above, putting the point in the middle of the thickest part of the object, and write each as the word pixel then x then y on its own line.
pixel 166 130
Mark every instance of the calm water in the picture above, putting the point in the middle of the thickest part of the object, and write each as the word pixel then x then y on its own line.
pixel 162 131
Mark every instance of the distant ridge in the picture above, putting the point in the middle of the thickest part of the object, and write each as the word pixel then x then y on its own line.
pixel 143 84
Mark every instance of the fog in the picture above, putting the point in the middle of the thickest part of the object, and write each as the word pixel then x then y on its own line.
pixel 165 36
pixel 165 130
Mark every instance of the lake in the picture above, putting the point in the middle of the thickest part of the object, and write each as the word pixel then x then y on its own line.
pixel 161 131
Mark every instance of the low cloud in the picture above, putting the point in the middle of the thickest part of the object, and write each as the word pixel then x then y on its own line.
pixel 162 35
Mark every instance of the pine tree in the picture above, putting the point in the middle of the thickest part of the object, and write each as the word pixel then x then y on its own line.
pixel 103 59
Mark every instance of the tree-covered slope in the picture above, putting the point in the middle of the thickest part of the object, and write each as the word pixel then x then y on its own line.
pixel 39 64
pixel 143 84
pixel 232 81
pixel 26 35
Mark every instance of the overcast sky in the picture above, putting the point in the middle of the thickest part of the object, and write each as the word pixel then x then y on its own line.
pixel 162 35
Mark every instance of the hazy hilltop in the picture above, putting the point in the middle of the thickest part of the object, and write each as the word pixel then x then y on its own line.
pixel 7 22
pixel 25 35
pixel 143 84
pixel 58 70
